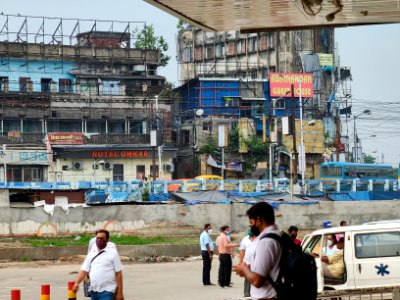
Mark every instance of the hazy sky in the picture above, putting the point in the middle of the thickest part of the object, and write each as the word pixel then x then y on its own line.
pixel 372 53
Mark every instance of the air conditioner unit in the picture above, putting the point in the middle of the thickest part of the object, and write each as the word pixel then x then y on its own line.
pixel 77 165
pixel 107 165
pixel 168 167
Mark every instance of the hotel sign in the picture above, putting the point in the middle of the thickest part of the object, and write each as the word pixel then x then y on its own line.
pixel 280 84
pixel 119 154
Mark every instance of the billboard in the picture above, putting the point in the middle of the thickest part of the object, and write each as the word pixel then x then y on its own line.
pixel 64 138
pixel 280 84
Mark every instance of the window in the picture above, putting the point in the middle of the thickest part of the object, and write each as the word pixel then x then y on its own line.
pixel 118 172
pixel 136 127
pixel 32 126
pixel 24 84
pixel 332 171
pixel 64 126
pixel 280 104
pixel 116 126
pixel 314 245
pixel 140 172
pixel 28 174
pixel 3 84
pixel 185 136
pixel 380 244
pixel 12 125
pixel 151 171
pixel 96 126
pixel 231 101
pixel 207 126
pixel 45 85
pixel 65 85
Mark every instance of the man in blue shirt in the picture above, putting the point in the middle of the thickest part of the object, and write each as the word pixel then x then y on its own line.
pixel 207 249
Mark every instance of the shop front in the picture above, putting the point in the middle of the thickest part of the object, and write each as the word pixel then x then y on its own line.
pixel 112 163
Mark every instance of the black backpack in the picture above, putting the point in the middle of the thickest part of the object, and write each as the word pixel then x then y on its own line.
pixel 297 277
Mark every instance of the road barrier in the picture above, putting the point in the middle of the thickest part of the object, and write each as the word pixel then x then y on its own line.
pixel 71 293
pixel 45 292
pixel 16 294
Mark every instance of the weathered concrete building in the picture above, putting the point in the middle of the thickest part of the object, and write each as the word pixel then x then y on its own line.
pixel 227 75
pixel 85 85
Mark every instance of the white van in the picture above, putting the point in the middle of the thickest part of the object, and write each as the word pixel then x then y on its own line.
pixel 371 255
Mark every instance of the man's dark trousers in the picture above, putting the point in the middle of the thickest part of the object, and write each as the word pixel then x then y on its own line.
pixel 225 270
pixel 206 267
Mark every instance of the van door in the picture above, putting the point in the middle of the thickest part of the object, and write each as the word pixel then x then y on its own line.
pixel 313 245
pixel 376 259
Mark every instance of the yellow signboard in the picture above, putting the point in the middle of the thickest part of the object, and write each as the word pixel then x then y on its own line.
pixel 313 137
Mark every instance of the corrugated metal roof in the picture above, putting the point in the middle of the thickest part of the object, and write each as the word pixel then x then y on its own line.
pixel 257 15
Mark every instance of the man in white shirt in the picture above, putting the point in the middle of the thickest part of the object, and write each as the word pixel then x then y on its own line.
pixel 207 248
pixel 104 268
pixel 265 262
pixel 247 249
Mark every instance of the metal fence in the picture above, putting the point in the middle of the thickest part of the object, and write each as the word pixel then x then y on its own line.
pixel 381 293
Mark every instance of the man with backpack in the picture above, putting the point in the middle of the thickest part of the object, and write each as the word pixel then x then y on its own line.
pixel 279 269
pixel 265 262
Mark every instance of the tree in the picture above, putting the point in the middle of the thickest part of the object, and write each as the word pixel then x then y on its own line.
pixel 369 159
pixel 182 25
pixel 147 40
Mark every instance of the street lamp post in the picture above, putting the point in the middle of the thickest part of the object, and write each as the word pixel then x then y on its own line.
pixel 355 151
pixel 302 152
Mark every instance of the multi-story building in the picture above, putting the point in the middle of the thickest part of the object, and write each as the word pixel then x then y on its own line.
pixel 78 102
pixel 221 66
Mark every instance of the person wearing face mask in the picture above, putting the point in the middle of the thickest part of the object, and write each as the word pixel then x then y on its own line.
pixel 292 232
pixel 246 251
pixel 207 248
pixel 225 250
pixel 265 261
pixel 331 247
pixel 103 265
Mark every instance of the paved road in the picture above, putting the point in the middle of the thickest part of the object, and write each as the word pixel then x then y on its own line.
pixel 166 281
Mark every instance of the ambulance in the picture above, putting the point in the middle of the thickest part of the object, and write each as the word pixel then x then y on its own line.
pixel 371 255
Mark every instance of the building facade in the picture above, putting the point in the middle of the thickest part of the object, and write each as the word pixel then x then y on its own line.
pixel 85 87
pixel 226 75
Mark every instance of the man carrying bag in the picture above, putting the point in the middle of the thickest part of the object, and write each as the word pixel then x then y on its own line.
pixel 103 266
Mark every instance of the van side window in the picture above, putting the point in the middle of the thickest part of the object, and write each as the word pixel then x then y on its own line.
pixel 314 245
pixel 380 244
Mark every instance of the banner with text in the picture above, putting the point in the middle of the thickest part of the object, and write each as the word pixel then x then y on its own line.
pixel 280 84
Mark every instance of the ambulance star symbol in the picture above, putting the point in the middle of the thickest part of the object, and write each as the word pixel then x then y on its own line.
pixel 382 270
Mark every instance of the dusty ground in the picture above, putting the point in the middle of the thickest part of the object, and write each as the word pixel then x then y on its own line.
pixel 167 281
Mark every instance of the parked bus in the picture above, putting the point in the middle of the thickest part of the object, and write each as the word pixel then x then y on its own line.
pixel 343 170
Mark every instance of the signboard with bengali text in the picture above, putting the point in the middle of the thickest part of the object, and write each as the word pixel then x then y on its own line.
pixel 65 138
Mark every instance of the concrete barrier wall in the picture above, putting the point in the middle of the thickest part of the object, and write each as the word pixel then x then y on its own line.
pixel 130 251
pixel 165 219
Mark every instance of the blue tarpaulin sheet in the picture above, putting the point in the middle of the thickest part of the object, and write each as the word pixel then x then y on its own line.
pixel 364 196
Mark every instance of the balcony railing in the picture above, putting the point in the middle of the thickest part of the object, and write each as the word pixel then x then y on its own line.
pixel 117 138
pixel 102 138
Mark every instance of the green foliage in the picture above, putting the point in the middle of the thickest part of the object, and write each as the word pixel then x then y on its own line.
pixel 145 192
pixel 25 259
pixel 210 147
pixel 258 152
pixel 146 39
pixel 368 159
pixel 117 239
pixel 182 25
pixel 233 139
